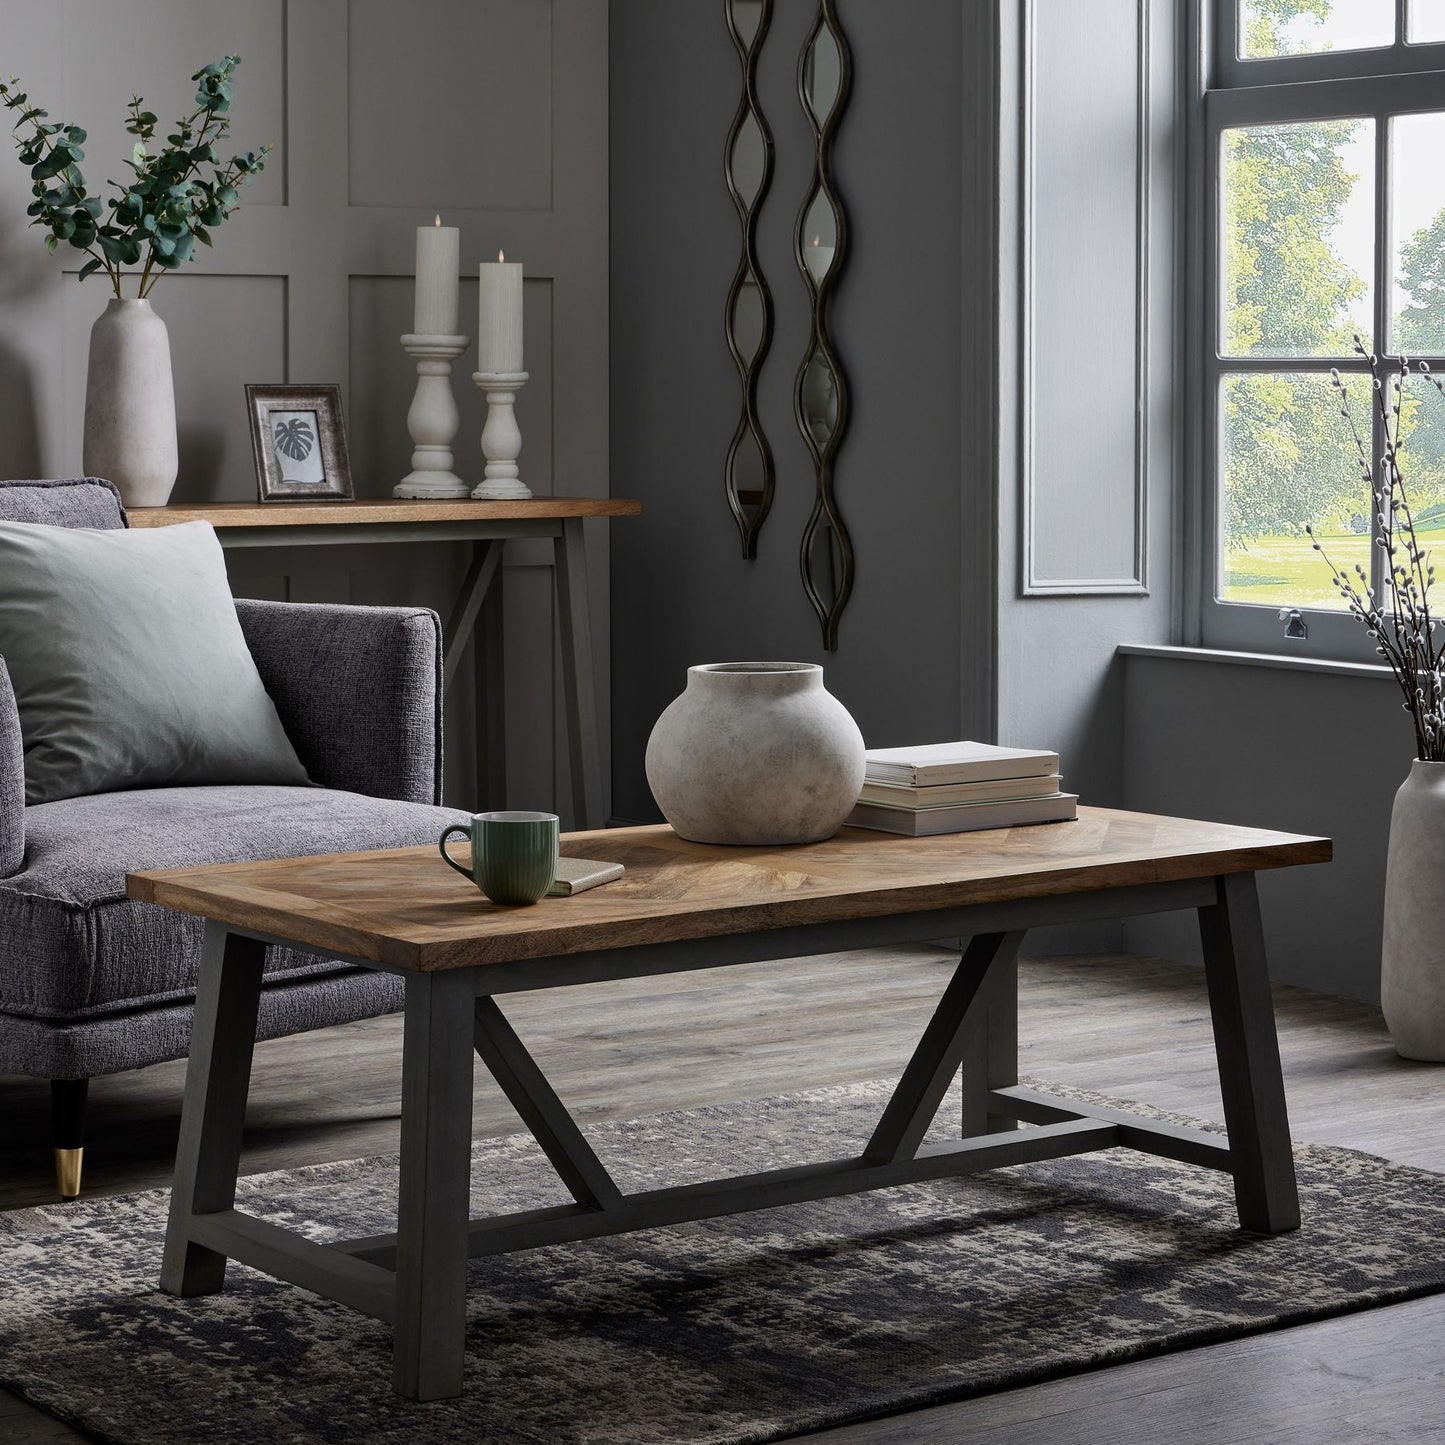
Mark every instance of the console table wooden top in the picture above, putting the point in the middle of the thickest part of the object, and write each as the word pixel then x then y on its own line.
pixel 401 908
pixel 387 511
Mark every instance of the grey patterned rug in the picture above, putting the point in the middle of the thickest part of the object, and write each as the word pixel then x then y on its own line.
pixel 736 1330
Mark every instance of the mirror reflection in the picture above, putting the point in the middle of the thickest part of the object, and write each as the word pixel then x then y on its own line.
pixel 820 395
pixel 749 160
pixel 820 236
pixel 747 320
pixel 822 76
pixel 819 399
pixel 748 315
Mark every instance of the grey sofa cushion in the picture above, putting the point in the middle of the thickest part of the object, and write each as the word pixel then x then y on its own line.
pixel 75 946
pixel 77 502
pixel 12 780
pixel 129 666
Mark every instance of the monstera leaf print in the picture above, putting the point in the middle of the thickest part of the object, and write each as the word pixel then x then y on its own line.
pixel 294 439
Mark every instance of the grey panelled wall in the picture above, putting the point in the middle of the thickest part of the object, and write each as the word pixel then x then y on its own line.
pixel 1087 339
pixel 492 111
pixel 913 474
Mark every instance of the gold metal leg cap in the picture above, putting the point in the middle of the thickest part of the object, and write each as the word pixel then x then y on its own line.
pixel 67 1172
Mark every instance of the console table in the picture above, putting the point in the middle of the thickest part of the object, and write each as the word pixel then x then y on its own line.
pixel 488 526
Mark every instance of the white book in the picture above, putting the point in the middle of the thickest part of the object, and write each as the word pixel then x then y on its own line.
pixel 963 762
pixel 943 795
pixel 576 875
pixel 966 817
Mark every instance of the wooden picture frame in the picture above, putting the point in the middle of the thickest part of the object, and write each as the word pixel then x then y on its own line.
pixel 298 439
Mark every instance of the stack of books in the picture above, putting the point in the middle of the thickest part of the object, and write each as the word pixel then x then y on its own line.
pixel 959 787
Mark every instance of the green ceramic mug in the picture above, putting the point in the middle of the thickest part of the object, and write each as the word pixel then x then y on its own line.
pixel 514 855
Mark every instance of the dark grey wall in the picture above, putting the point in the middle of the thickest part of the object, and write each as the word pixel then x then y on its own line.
pixel 681 591
pixel 1304 752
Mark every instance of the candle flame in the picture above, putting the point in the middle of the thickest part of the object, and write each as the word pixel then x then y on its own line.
pixel 501 256
pixel 438 220
pixel 816 239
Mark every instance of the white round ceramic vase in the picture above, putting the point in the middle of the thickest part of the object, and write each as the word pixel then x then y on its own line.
pixel 130 404
pixel 755 753
pixel 1412 962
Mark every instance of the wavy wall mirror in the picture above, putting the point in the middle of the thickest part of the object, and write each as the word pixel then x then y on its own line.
pixel 820 394
pixel 748 161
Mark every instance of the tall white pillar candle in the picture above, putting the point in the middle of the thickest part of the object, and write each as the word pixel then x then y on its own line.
pixel 437 273
pixel 499 316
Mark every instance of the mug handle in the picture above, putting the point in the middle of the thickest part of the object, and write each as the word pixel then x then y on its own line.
pixel 466 833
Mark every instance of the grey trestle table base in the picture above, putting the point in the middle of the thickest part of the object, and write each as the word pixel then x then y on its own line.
pixel 416 1279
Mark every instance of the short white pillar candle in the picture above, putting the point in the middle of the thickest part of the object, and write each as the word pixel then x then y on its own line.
pixel 437 279
pixel 499 316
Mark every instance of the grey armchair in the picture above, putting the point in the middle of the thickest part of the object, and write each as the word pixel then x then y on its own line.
pixel 92 983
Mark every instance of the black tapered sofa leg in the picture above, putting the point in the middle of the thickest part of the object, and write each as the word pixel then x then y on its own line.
pixel 67 1112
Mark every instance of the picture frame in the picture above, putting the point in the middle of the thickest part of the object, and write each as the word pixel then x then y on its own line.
pixel 298 439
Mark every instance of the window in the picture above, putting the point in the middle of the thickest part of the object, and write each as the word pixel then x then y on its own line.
pixel 1320 218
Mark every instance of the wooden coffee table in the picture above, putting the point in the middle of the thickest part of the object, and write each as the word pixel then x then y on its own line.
pixel 685 906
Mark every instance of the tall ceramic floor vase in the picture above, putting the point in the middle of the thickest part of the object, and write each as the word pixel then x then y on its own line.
pixel 1412 966
pixel 755 753
pixel 130 404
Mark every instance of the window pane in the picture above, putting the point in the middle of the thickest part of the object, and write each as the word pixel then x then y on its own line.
pixel 1422 458
pixel 1417 223
pixel 1425 21
pixel 1305 27
pixel 1298 237
pixel 1287 460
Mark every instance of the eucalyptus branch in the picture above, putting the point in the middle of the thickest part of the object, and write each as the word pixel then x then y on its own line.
pixel 178 195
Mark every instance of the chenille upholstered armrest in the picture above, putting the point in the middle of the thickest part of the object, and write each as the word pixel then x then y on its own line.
pixel 358 690
pixel 12 781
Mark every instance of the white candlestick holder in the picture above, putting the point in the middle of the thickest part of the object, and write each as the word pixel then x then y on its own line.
pixel 433 419
pixel 501 437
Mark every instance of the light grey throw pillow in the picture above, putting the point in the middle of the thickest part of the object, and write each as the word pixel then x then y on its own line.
pixel 128 663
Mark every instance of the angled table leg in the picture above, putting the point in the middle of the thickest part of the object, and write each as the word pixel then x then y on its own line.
pixel 579 691
pixel 957 1024
pixel 992 1057
pixel 432 1202
pixel 218 1077
pixel 1250 1078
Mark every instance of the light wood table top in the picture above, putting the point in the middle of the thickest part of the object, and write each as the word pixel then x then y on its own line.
pixel 405 909
pixel 388 510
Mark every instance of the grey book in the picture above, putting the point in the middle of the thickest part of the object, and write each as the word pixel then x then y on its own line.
pixel 961 762
pixel 966 817
pixel 576 875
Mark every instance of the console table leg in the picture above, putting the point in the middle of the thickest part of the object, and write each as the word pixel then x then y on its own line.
pixel 218 1078
pixel 491 698
pixel 1250 1078
pixel 580 693
pixel 992 1060
pixel 432 1200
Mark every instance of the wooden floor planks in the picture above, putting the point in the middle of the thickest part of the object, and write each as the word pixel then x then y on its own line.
pixel 1133 1027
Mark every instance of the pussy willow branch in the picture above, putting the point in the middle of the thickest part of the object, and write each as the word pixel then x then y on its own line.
pixel 1404 631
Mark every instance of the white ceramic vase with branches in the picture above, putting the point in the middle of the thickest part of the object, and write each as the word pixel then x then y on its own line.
pixel 1410 639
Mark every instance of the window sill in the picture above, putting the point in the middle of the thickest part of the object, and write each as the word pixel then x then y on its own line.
pixel 1278 661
